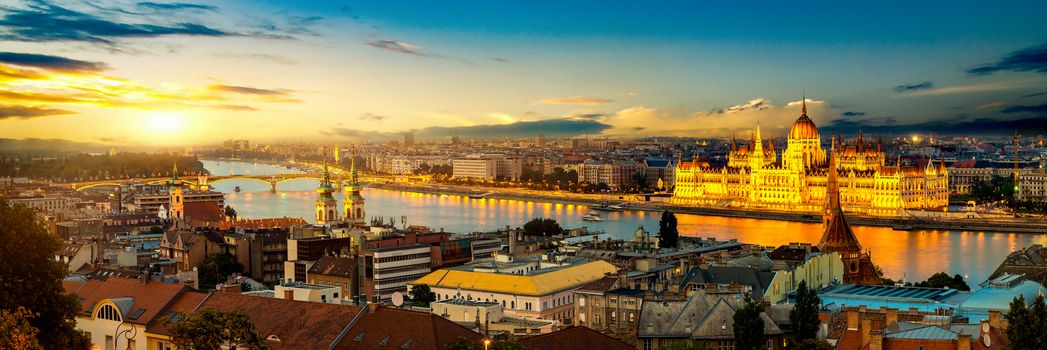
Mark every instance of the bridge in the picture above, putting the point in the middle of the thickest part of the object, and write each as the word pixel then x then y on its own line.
pixel 205 182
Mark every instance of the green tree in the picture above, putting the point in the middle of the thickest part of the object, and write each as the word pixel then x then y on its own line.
pixel 1026 324
pixel 15 331
pixel 542 227
pixel 941 280
pixel 422 295
pixel 640 177
pixel 748 326
pixel 804 315
pixel 810 344
pixel 216 268
pixel 668 236
pixel 210 329
pixel 32 279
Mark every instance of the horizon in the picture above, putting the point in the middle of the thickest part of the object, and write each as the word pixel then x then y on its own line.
pixel 156 75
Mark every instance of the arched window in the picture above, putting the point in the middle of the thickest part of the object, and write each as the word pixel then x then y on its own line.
pixel 108 312
pixel 359 212
pixel 330 214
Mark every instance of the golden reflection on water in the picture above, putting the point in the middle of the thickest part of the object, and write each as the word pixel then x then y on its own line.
pixel 912 255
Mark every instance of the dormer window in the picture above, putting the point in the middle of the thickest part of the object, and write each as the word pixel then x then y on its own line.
pixel 108 312
pixel 273 337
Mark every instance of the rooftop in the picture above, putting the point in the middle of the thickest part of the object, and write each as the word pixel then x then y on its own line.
pixel 541 282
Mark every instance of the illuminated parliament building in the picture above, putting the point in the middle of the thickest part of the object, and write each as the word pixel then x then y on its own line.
pixel 755 178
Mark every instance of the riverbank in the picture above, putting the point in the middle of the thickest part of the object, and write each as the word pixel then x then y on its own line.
pixel 901 224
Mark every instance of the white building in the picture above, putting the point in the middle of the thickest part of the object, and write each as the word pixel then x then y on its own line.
pixel 308 292
pixel 488 167
pixel 530 288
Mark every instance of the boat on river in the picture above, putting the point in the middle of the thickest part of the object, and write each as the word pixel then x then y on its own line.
pixel 592 216
pixel 609 207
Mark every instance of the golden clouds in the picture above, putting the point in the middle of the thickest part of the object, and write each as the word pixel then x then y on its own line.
pixel 576 101
pixel 43 85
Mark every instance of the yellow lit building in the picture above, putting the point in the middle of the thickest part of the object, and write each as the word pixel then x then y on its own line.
pixel 755 178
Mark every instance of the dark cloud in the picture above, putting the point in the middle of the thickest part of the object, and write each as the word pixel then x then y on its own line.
pixel 42 21
pixel 119 139
pixel 372 116
pixel 176 6
pixel 958 125
pixel 852 114
pixel 1025 109
pixel 914 86
pixel 50 145
pixel 549 128
pixel 55 63
pixel 1035 94
pixel 242 108
pixel 1028 59
pixel 24 112
pixel 588 115
pixel 246 90
pixel 499 59
pixel 397 47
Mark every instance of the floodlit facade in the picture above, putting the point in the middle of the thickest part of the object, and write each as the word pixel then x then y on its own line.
pixel 755 178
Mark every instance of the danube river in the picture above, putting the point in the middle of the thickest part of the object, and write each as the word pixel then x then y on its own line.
pixel 912 255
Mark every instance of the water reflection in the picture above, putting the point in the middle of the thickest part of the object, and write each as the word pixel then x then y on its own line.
pixel 912 255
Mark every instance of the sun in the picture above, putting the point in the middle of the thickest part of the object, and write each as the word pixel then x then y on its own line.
pixel 164 122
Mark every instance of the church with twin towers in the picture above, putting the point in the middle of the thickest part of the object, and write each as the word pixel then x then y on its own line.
pixel 327 211
pixel 754 177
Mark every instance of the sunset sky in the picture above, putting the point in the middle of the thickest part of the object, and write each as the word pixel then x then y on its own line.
pixel 165 73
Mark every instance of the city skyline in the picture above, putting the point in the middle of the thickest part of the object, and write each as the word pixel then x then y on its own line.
pixel 173 74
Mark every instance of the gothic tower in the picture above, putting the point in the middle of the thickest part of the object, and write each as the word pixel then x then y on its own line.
pixel 353 208
pixel 326 205
pixel 177 196
pixel 838 236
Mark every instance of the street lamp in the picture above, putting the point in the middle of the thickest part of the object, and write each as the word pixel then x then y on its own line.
pixel 128 334
pixel 487 342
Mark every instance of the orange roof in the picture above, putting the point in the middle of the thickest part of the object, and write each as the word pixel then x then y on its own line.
pixel 297 324
pixel 386 328
pixel 575 338
pixel 152 297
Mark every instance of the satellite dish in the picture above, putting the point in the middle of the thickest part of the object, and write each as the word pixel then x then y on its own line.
pixel 398 299
pixel 986 340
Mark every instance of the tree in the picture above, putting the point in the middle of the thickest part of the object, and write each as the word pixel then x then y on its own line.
pixel 640 177
pixel 210 329
pixel 422 295
pixel 941 280
pixel 230 212
pixel 32 279
pixel 804 315
pixel 16 332
pixel 1026 324
pixel 748 326
pixel 668 236
pixel 216 268
pixel 810 344
pixel 542 227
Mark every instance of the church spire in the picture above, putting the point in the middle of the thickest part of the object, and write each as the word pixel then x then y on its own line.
pixel 803 104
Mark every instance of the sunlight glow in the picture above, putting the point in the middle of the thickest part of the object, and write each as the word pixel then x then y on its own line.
pixel 164 122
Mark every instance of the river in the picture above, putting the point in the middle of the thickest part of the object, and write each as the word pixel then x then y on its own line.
pixel 909 255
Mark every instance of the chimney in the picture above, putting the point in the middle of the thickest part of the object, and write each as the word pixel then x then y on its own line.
pixel 877 341
pixel 963 342
pixel 994 319
pixel 512 242
pixel 852 319
pixel 866 324
pixel 371 308
pixel 288 294
pixel 234 288
pixel 892 317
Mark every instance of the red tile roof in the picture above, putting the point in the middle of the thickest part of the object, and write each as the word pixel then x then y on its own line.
pixel 334 266
pixel 152 297
pixel 297 324
pixel 575 338
pixel 388 328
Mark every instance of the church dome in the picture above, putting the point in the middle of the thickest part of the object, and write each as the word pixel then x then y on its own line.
pixel 803 128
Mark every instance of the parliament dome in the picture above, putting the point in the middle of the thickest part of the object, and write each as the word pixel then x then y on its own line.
pixel 803 128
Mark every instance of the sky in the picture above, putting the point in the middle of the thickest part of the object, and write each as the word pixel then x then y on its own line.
pixel 194 73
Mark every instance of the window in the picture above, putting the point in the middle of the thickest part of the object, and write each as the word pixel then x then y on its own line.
pixel 581 301
pixel 647 344
pixel 108 312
